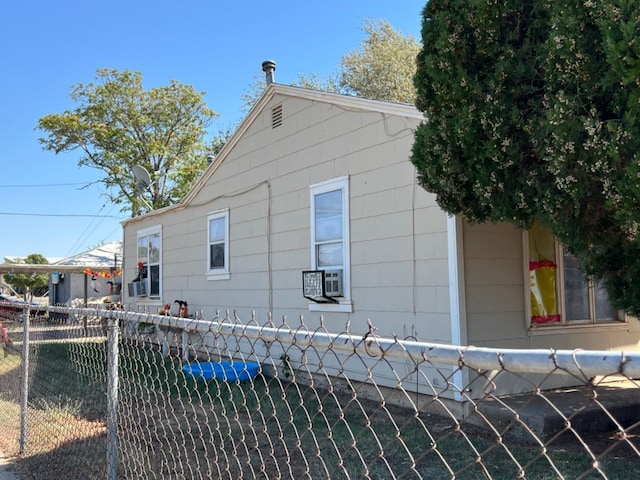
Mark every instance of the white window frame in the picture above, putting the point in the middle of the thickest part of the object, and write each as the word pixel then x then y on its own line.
pixel 148 232
pixel 344 303
pixel 591 292
pixel 590 324
pixel 218 273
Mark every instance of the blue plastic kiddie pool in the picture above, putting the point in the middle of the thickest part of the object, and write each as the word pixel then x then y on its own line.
pixel 228 371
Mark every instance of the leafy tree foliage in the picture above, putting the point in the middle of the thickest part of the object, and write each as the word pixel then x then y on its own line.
pixel 532 113
pixel 382 68
pixel 117 124
pixel 219 141
pixel 313 81
pixel 27 284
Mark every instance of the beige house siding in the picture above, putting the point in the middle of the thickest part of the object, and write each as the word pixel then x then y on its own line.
pixel 497 312
pixel 497 296
pixel 399 277
pixel 403 247
pixel 494 284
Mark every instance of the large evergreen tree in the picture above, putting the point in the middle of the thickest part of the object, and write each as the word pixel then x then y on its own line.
pixel 532 111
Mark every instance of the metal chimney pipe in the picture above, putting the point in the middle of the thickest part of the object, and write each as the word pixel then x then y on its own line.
pixel 268 67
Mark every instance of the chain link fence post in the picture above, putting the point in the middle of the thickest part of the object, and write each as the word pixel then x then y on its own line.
pixel 112 398
pixel 24 395
pixel 298 400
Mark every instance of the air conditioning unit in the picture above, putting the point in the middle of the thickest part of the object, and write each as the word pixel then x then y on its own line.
pixel 137 289
pixel 322 286
pixel 333 283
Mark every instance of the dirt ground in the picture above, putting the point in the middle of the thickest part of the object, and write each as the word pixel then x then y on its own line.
pixel 188 430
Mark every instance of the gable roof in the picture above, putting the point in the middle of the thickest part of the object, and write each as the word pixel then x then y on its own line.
pixel 98 259
pixel 102 256
pixel 344 101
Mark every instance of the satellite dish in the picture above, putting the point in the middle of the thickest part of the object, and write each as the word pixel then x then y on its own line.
pixel 143 177
pixel 144 182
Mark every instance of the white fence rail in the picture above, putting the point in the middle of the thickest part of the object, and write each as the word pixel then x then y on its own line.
pixel 133 395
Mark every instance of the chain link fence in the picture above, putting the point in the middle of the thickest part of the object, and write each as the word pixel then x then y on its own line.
pixel 89 393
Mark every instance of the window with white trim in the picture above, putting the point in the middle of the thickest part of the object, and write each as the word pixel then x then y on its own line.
pixel 329 203
pixel 150 260
pixel 560 293
pixel 218 245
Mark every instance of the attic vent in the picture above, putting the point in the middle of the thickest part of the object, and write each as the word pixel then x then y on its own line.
pixel 276 116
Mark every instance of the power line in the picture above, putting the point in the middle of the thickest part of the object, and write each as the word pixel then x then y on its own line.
pixel 59 215
pixel 86 233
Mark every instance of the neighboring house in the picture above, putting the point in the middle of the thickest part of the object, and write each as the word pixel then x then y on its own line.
pixel 314 181
pixel 76 288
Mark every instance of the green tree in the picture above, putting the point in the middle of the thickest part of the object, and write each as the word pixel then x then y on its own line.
pixel 313 81
pixel 24 283
pixel 532 113
pixel 382 68
pixel 117 124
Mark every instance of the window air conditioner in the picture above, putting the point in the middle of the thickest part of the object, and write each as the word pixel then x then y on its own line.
pixel 137 289
pixel 333 283
pixel 321 286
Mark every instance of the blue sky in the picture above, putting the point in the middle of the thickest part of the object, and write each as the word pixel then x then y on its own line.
pixel 216 46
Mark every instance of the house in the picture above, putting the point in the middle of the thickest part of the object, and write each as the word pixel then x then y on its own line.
pixel 89 286
pixel 313 209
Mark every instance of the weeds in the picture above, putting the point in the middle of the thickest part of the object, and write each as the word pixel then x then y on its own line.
pixel 169 422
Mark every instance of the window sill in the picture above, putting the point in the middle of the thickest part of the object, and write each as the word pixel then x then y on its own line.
pixel 218 276
pixel 342 307
pixel 571 329
pixel 151 302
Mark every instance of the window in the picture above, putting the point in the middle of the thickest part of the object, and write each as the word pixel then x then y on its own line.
pixel 584 300
pixel 560 294
pixel 330 239
pixel 149 260
pixel 218 245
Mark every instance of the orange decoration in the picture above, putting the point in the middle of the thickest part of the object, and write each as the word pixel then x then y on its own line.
pixel 111 274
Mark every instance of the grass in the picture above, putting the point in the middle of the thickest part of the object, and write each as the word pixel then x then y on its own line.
pixel 170 422
pixel 342 436
pixel 65 427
